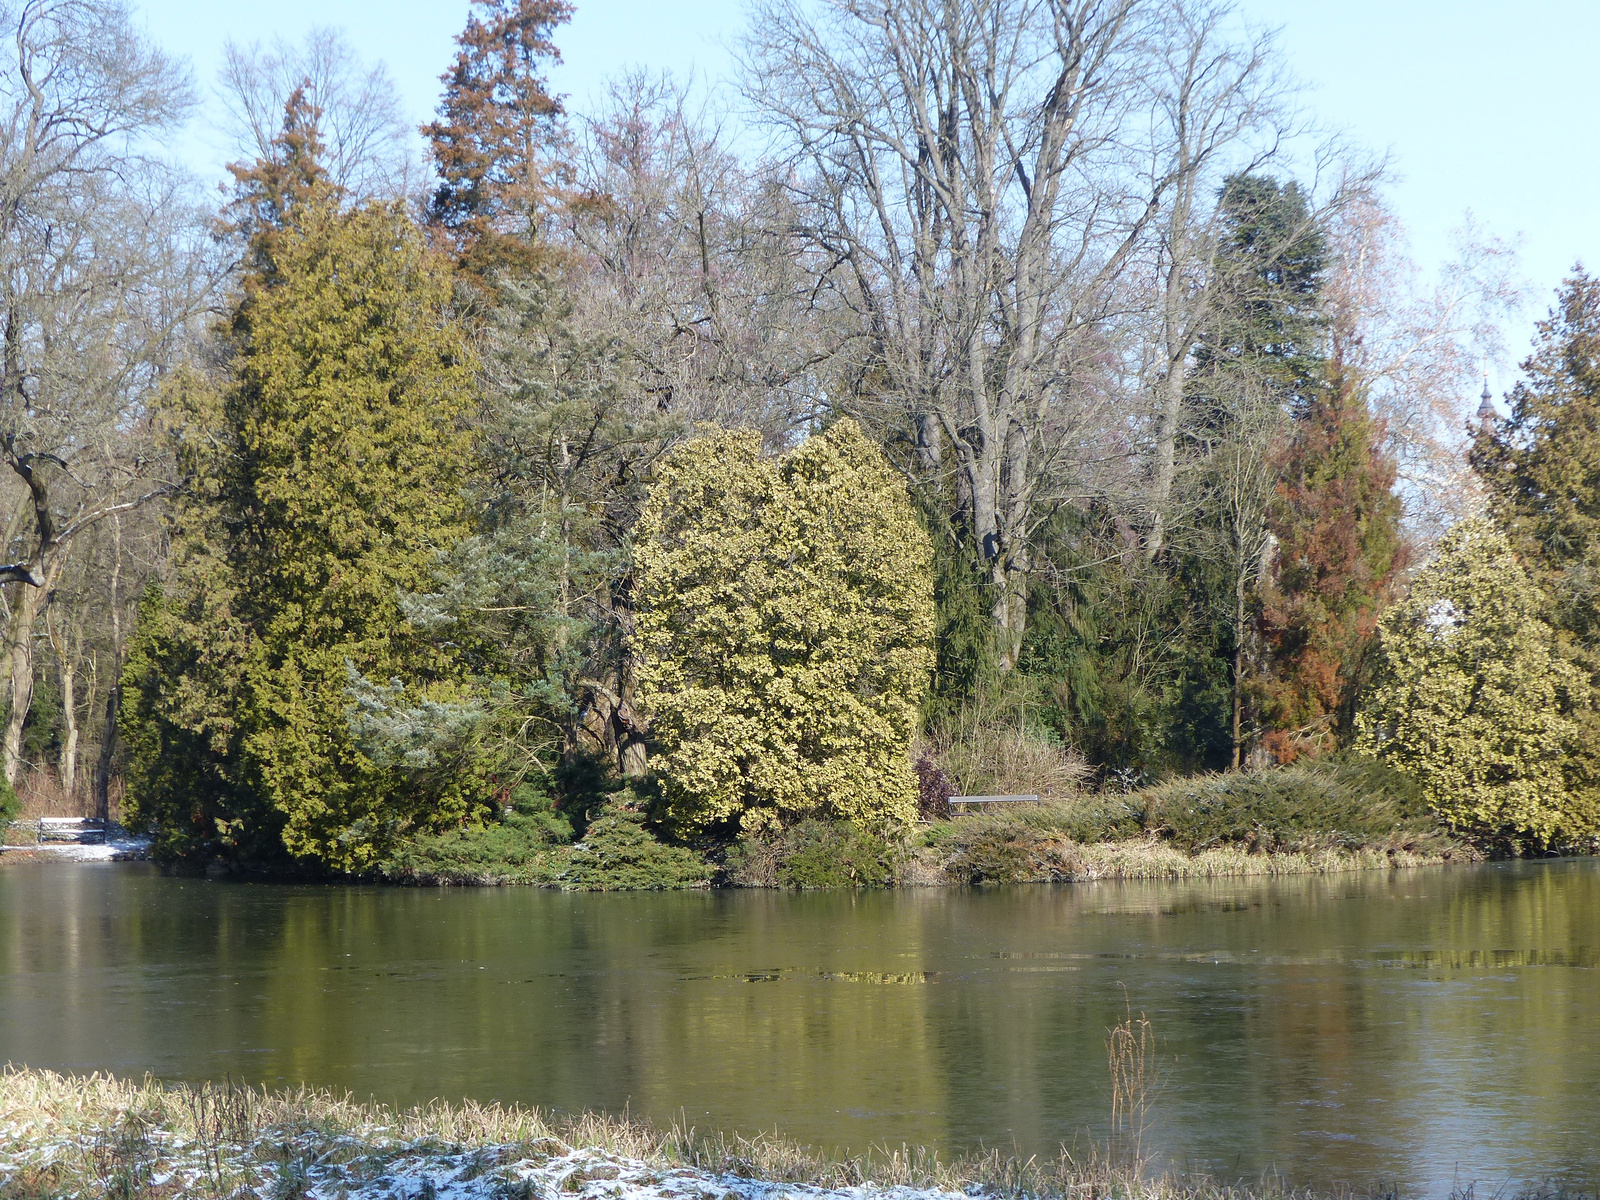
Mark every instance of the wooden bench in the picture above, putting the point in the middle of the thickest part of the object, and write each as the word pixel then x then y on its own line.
pixel 84 830
pixel 955 800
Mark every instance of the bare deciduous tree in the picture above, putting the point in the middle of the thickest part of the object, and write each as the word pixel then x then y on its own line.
pixel 369 148
pixel 979 179
pixel 1418 349
pixel 1219 107
pixel 103 267
pixel 686 258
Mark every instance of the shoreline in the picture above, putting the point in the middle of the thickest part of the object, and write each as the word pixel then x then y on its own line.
pixel 101 1135
pixel 1131 860
pixel 112 850
pixel 1063 861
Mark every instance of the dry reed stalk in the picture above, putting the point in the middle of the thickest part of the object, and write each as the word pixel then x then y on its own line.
pixel 1130 1054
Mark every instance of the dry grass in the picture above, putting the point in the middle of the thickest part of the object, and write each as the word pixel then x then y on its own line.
pixel 42 795
pixel 986 756
pixel 1150 858
pixel 97 1135
pixel 1056 843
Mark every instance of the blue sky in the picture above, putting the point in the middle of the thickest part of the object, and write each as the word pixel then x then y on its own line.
pixel 1483 105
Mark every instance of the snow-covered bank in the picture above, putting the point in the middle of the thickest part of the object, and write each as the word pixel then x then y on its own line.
pixel 122 849
pixel 98 1135
pixel 315 1166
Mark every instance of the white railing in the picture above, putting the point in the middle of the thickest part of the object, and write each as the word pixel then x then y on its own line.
pixel 85 830
pixel 955 800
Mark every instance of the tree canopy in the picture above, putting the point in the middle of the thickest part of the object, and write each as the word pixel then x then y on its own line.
pixel 1471 699
pixel 332 466
pixel 784 630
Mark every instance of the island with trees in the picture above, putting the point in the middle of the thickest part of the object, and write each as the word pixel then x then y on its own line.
pixel 604 505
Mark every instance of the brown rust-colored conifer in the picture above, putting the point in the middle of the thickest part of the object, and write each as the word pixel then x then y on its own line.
pixel 496 134
pixel 1338 546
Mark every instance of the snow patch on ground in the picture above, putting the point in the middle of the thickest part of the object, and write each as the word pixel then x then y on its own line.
pixel 111 850
pixel 322 1168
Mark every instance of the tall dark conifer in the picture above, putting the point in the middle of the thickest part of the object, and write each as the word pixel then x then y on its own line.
pixel 327 462
pixel 1259 367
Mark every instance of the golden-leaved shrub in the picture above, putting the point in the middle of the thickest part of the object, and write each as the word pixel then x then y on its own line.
pixel 785 628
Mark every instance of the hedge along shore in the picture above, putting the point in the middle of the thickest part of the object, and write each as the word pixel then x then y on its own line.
pixel 1340 814
pixel 961 863
pixel 1151 858
pixel 64 1136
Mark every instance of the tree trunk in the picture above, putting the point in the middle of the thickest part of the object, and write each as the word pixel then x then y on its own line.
pixel 24 617
pixel 69 718
pixel 928 448
pixel 108 752
pixel 108 736
pixel 1238 672
pixel 1166 457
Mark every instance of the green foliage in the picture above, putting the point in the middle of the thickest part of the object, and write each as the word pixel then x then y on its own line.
pixel 1338 802
pixel 516 849
pixel 963 600
pixel 1542 469
pixel 10 806
pixel 619 854
pixel 1270 322
pixel 1542 465
pixel 1342 801
pixel 1012 844
pixel 1138 660
pixel 44 726
pixel 1471 700
pixel 784 623
pixel 1259 362
pixel 533 598
pixel 329 470
pixel 816 854
pixel 1105 652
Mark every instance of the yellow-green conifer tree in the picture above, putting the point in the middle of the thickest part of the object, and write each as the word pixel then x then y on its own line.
pixel 785 626
pixel 329 469
pixel 1472 701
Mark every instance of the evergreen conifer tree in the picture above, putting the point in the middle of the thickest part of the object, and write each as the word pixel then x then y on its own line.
pixel 1541 467
pixel 1259 366
pixel 1471 699
pixel 785 625
pixel 328 469
pixel 1337 546
pixel 494 135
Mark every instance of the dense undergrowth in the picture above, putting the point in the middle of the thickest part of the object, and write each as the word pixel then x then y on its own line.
pixel 533 844
pixel 1335 813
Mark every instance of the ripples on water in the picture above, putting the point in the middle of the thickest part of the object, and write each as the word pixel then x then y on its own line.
pixel 1426 1027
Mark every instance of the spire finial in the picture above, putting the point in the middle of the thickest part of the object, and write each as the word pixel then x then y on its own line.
pixel 1486 411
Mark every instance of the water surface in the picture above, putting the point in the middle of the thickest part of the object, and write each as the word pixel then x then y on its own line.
pixel 1425 1027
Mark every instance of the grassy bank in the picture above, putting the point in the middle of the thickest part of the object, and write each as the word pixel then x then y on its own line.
pixel 72 1137
pixel 1331 815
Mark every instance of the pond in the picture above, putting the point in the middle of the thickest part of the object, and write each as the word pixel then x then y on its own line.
pixel 1425 1027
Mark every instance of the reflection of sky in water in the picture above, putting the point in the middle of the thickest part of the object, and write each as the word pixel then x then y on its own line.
pixel 1422 1028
